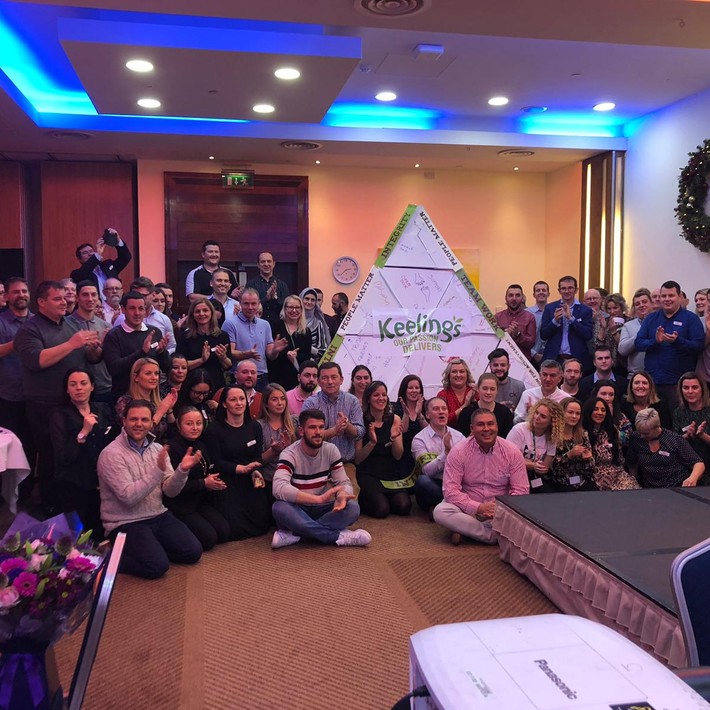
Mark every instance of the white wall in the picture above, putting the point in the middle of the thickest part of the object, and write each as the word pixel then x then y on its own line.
pixel 658 149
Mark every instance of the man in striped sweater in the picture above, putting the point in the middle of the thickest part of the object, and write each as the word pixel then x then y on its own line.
pixel 314 497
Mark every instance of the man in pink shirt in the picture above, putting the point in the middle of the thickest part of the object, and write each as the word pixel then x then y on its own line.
pixel 307 384
pixel 476 471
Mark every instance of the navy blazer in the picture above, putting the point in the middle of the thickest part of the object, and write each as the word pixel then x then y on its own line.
pixel 581 331
pixel 110 267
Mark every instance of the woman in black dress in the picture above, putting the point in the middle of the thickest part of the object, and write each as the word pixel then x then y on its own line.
pixel 376 455
pixel 234 443
pixel 203 343
pixel 80 430
pixel 292 326
pixel 193 504
pixel 409 407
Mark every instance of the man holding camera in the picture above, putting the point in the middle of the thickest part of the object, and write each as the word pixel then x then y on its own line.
pixel 93 265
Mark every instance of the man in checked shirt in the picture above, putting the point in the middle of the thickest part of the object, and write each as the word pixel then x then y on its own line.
pixel 476 471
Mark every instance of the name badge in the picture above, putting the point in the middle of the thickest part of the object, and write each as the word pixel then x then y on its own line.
pixel 575 480
pixel 536 483
pixel 663 453
pixel 251 443
pixel 675 322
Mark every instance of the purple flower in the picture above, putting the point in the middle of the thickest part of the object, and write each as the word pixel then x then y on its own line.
pixel 12 564
pixel 80 565
pixel 26 584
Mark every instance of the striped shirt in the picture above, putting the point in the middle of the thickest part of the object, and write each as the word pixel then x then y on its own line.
pixel 297 471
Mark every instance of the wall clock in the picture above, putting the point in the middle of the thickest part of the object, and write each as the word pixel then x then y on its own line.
pixel 346 270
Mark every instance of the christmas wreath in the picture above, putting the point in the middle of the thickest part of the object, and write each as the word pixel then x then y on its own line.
pixel 692 193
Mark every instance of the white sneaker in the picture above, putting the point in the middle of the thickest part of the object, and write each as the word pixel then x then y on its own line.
pixel 282 538
pixel 354 537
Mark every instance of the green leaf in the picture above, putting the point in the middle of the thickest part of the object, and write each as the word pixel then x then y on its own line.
pixel 40 588
pixel 84 537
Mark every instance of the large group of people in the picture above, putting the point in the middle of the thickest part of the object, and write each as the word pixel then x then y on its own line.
pixel 187 431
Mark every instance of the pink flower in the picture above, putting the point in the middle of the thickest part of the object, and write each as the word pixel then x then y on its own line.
pixel 8 597
pixel 14 563
pixel 80 564
pixel 73 553
pixel 26 583
pixel 36 562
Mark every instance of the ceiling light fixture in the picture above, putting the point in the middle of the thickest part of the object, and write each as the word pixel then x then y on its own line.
pixel 317 162
pixel 605 106
pixel 139 65
pixel 148 103
pixel 263 108
pixel 533 109
pixel 416 165
pixel 287 73
pixel 516 168
pixel 498 101
pixel 211 157
pixel 386 96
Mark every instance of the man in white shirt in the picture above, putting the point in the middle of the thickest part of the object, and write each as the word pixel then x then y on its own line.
pixel 430 447
pixel 550 378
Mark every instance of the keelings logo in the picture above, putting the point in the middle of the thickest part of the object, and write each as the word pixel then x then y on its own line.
pixel 446 330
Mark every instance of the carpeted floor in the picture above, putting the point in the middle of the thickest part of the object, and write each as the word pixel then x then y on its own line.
pixel 306 626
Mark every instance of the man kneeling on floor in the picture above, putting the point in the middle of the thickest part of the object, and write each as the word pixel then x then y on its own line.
pixel 134 472
pixel 476 471
pixel 314 496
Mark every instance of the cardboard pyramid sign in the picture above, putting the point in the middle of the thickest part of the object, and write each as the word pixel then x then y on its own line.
pixel 416 310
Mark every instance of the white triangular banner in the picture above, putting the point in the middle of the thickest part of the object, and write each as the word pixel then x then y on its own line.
pixel 416 310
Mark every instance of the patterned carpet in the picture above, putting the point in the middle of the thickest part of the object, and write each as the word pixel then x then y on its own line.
pixel 306 626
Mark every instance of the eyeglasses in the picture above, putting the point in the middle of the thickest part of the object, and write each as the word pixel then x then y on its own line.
pixel 195 393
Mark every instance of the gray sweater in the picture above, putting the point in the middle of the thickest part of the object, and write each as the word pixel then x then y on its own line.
pixel 131 483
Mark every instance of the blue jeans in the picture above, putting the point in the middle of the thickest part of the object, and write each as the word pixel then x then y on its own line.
pixel 318 522
pixel 428 492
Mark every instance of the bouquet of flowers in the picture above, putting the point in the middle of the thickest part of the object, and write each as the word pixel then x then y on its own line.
pixel 47 573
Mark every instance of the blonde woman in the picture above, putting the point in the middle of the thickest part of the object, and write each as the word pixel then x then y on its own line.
pixel 292 326
pixel 537 439
pixel 278 425
pixel 145 384
pixel 459 388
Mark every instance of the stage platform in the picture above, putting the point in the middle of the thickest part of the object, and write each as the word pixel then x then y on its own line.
pixel 607 555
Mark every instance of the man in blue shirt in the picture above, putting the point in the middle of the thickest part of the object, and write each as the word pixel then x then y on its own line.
pixel 671 337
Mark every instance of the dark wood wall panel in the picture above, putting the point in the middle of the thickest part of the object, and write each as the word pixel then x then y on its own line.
pixel 12 222
pixel 273 216
pixel 78 201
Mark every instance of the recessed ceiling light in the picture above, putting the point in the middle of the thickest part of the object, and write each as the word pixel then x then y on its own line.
pixel 534 109
pixel 139 65
pixel 317 162
pixel 287 73
pixel 211 157
pixel 605 106
pixel 263 108
pixel 416 165
pixel 149 103
pixel 386 96
pixel 516 168
pixel 498 101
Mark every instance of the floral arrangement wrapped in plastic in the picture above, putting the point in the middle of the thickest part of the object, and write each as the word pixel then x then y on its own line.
pixel 47 573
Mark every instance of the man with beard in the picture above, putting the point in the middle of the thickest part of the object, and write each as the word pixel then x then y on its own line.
pixel 307 383
pixel 339 304
pixel 246 376
pixel 510 390
pixel 12 397
pixel 517 322
pixel 571 375
pixel 271 289
pixel 314 498
pixel 113 293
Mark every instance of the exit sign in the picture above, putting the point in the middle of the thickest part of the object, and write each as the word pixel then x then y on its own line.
pixel 242 180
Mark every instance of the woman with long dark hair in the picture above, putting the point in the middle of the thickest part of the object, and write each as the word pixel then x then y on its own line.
pixel 376 457
pixel 197 391
pixel 409 407
pixel 609 474
pixel 691 419
pixel 360 379
pixel 193 504
pixel 234 443
pixel 202 341
pixel 80 430
pixel 279 427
